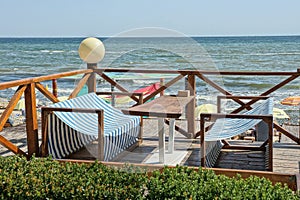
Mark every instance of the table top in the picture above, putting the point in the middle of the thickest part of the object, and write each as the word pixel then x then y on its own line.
pixel 164 106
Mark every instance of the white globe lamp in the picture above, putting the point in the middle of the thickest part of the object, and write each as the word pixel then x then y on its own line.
pixel 91 50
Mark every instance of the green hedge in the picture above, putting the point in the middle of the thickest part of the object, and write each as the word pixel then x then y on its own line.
pixel 48 179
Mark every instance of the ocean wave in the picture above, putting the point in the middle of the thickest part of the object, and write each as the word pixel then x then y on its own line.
pixel 52 51
pixel 57 51
pixel 257 54
pixel 45 51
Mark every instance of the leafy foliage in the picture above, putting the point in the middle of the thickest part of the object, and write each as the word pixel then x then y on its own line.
pixel 49 179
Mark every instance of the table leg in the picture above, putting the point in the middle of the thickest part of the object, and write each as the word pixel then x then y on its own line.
pixel 161 142
pixel 171 135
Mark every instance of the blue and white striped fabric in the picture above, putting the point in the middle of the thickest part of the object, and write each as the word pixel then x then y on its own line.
pixel 226 128
pixel 69 131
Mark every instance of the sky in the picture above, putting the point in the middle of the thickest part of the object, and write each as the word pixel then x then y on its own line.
pixel 69 18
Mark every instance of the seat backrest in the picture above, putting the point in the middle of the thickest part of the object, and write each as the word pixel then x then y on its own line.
pixel 225 128
pixel 87 123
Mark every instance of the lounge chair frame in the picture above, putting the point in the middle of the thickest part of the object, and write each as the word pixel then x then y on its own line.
pixel 211 117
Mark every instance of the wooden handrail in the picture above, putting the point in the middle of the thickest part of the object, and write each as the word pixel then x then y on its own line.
pixel 27 81
pixel 35 82
pixel 197 72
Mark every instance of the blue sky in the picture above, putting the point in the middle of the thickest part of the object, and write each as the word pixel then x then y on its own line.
pixel 108 18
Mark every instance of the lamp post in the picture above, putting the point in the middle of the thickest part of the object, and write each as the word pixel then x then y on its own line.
pixel 91 50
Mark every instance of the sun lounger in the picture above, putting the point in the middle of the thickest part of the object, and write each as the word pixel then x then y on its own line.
pixel 227 126
pixel 69 131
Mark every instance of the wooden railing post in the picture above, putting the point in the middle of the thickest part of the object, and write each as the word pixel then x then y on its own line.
pixel 31 120
pixel 191 86
pixel 162 82
pixel 54 87
pixel 202 141
pixel 91 83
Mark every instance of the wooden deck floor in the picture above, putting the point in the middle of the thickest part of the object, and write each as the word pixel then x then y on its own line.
pixel 286 156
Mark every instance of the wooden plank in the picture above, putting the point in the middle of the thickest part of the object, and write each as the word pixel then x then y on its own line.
pixel 45 136
pixel 54 87
pixel 251 148
pixel 13 148
pixel 46 93
pixel 163 87
pixel 236 98
pixel 117 85
pixel 129 94
pixel 26 81
pixel 91 83
pixel 202 142
pixel 290 179
pixel 11 105
pixel 31 120
pixel 288 134
pixel 190 108
pixel 269 91
pixel 198 72
pixel 79 86
pixel 101 135
pixel 164 106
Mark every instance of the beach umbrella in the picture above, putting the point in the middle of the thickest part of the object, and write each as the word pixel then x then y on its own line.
pixel 205 108
pixel 280 114
pixel 63 98
pixel 291 101
pixel 20 105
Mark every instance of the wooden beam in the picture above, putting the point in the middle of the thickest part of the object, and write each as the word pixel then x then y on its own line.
pixel 114 83
pixel 91 83
pixel 54 87
pixel 286 133
pixel 26 81
pixel 235 98
pixel 202 141
pixel 190 108
pixel 11 105
pixel 80 85
pixel 101 135
pixel 139 95
pixel 31 120
pixel 269 121
pixel 45 136
pixel 244 147
pixel 197 72
pixel 276 87
pixel 163 87
pixel 217 87
pixel 46 93
pixel 10 146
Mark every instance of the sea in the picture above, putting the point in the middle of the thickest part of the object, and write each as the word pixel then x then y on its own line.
pixel 31 57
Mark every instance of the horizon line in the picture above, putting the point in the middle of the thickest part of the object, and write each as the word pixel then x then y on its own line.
pixel 136 36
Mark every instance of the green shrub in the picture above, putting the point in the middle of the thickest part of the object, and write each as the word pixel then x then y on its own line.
pixel 48 179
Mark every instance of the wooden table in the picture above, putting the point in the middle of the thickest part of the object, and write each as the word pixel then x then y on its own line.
pixel 166 107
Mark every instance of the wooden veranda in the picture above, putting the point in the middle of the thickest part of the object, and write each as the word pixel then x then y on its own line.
pixel 28 86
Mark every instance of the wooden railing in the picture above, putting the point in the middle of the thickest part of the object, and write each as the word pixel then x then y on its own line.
pixel 89 76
